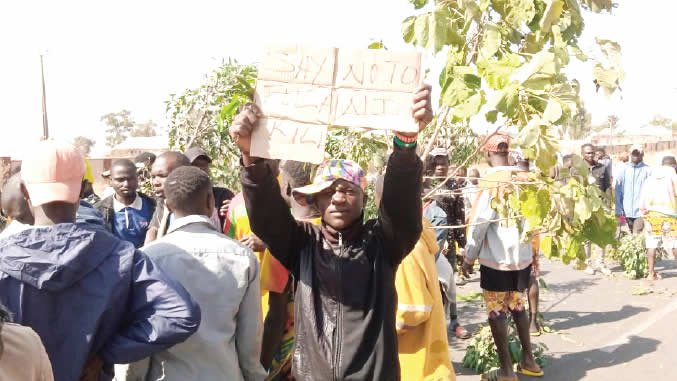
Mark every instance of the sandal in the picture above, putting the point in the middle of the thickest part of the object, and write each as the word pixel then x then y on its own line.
pixel 461 332
pixel 654 276
pixel 494 375
pixel 527 372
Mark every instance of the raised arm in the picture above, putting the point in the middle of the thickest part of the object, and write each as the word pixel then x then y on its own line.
pixel 269 215
pixel 400 212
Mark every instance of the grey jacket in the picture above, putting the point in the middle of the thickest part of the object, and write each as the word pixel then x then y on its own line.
pixel 222 276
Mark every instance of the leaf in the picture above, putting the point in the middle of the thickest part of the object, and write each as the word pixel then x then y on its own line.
pixel 432 30
pixel 598 6
pixel 491 116
pixel 553 111
pixel 559 46
pixel 547 152
pixel 582 210
pixel 418 4
pixel 471 297
pixel 515 12
pixel 456 92
pixel 497 73
pixel 573 249
pixel 533 43
pixel 552 12
pixel 376 45
pixel 408 29
pixel 575 50
pixel 529 134
pixel 470 107
pixel 507 100
pixel 542 63
pixel 491 41
pixel 422 32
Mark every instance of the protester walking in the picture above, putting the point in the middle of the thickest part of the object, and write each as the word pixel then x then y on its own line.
pixel 658 205
pixel 602 176
pixel 505 263
pixel 629 187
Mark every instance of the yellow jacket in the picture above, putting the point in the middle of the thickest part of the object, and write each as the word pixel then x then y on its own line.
pixel 421 328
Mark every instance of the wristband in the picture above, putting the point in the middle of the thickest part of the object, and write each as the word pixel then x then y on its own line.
pixel 406 139
pixel 400 143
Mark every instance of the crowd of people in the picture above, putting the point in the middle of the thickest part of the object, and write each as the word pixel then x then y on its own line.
pixel 285 280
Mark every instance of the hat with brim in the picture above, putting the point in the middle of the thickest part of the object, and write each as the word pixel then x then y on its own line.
pixel 67 191
pixel 439 151
pixel 329 173
pixel 193 153
pixel 53 172
pixel 494 141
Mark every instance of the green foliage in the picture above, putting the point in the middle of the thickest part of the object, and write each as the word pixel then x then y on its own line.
pixel 147 128
pixel 84 144
pixel 202 116
pixel 367 148
pixel 631 254
pixel 481 354
pixel 505 59
pixel 459 140
pixel 119 125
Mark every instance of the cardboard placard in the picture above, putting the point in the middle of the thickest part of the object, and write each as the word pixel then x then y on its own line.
pixel 302 91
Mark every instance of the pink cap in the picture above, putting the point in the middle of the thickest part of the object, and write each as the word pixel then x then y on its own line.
pixel 53 171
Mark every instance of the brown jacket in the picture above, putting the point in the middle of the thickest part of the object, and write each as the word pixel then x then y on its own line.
pixel 23 356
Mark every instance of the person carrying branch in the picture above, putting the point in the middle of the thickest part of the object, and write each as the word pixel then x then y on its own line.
pixel 345 268
pixel 506 262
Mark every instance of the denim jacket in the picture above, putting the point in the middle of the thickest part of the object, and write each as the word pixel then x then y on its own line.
pixel 223 277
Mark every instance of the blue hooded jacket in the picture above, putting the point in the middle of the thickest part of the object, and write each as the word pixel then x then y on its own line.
pixel 628 189
pixel 86 292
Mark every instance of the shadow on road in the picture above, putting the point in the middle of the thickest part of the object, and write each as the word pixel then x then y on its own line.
pixel 572 286
pixel 575 366
pixel 562 320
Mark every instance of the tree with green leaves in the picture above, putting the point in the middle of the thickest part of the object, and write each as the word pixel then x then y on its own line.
pixel 84 144
pixel 201 116
pixel 147 128
pixel 119 125
pixel 504 68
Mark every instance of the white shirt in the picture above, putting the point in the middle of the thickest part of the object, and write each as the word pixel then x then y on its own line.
pixel 136 204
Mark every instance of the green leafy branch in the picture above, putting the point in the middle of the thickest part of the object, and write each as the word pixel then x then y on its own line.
pixel 203 115
pixel 504 64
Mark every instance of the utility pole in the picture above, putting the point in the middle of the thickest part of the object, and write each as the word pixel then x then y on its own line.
pixel 45 125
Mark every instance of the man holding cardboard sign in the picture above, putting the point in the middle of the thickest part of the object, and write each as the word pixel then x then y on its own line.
pixel 345 269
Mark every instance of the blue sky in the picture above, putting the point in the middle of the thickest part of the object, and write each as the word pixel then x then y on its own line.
pixel 103 57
